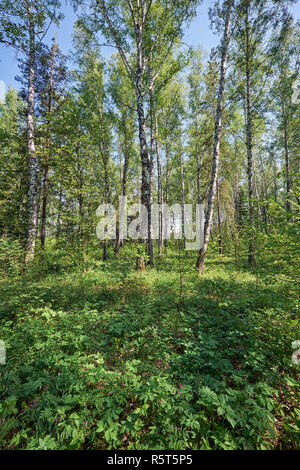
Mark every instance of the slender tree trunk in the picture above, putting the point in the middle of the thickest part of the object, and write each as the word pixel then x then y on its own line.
pixel 182 189
pixel 264 191
pixel 81 221
pixel 199 164
pixel 237 220
pixel 159 188
pixel 137 79
pixel 167 186
pixel 249 144
pixel 287 162
pixel 108 199
pixel 199 159
pixel 146 162
pixel 216 148
pixel 219 221
pixel 58 221
pixel 199 200
pixel 275 179
pixel 32 157
pixel 121 168
pixel 148 183
pixel 46 165
pixel 124 183
pixel 104 151
pixel 80 203
pixel 255 191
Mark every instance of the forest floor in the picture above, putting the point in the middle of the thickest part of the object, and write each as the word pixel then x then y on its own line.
pixel 111 358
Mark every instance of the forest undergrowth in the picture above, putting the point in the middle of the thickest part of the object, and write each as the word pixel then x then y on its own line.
pixel 106 357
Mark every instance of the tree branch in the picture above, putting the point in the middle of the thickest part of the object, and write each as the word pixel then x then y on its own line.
pixel 116 39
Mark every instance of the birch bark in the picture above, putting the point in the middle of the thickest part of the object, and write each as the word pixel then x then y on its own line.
pixel 216 147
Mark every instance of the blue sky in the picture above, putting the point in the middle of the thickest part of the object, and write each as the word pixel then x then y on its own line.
pixel 198 33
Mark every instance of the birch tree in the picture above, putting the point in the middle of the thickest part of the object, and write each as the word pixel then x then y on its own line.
pixel 285 50
pixel 124 118
pixel 23 26
pixel 217 134
pixel 144 33
pixel 253 59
